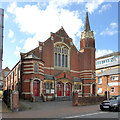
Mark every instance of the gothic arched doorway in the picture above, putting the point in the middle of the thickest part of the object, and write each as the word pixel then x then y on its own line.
pixel 93 89
pixel 59 89
pixel 68 87
pixel 36 87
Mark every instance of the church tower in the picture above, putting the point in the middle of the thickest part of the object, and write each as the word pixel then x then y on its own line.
pixel 87 50
pixel 87 36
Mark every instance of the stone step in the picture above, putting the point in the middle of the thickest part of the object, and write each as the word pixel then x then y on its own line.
pixel 38 99
pixel 64 98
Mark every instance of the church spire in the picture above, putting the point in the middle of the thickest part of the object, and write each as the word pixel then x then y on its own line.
pixel 87 36
pixel 87 25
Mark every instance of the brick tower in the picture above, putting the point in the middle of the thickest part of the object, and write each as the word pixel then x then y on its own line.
pixel 87 47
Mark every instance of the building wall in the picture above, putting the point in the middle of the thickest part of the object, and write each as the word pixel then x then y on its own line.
pixel 28 76
pixel 112 84
pixel 4 75
pixel 13 78
pixel 1 43
pixel 81 64
pixel 107 69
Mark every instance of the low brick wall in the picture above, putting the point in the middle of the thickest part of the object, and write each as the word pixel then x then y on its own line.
pixel 76 101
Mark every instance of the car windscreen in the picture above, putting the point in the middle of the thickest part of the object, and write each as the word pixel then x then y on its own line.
pixel 113 98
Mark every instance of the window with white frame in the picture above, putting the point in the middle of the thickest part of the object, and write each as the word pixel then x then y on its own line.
pixel 77 87
pixel 48 87
pixel 113 78
pixel 99 90
pixel 61 56
pixel 112 89
pixel 100 80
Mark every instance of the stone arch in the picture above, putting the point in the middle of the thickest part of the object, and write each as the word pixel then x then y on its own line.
pixel 93 89
pixel 61 43
pixel 60 88
pixel 31 86
pixel 68 89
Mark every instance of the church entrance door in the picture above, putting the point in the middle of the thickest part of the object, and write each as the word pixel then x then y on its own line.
pixel 59 89
pixel 36 87
pixel 68 89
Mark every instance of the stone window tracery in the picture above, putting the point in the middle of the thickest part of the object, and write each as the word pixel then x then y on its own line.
pixel 61 56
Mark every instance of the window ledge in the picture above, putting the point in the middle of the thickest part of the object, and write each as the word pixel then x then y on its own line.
pixel 61 68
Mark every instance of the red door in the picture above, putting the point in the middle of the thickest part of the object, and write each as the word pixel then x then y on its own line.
pixel 36 87
pixel 67 89
pixel 93 89
pixel 59 89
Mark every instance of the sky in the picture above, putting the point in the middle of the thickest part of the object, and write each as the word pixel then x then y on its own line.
pixel 26 23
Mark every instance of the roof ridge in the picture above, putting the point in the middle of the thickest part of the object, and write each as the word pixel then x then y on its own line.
pixel 62 32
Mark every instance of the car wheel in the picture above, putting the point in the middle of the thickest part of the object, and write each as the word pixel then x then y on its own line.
pixel 118 108
pixel 101 109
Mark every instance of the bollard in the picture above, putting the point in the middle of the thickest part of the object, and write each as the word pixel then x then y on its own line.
pixel 15 101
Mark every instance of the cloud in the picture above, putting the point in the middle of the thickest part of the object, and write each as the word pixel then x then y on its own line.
pixel 39 23
pixel 5 16
pixel 31 43
pixel 100 53
pixel 108 31
pixel 111 30
pixel 21 41
pixel 113 25
pixel 13 40
pixel 105 7
pixel 10 34
pixel 17 51
pixel 92 5
pixel 12 7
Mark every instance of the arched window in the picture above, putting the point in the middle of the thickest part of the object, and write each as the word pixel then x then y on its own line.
pixel 61 56
pixel 51 85
pixel 77 86
pixel 44 85
pixel 47 85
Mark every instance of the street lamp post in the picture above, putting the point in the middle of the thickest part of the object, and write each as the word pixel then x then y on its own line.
pixel 107 88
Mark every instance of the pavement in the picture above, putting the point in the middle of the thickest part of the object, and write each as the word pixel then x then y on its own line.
pixel 3 107
pixel 59 109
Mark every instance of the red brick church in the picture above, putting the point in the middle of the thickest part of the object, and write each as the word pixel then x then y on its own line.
pixel 56 68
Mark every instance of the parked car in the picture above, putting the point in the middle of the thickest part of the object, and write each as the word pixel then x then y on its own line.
pixel 112 104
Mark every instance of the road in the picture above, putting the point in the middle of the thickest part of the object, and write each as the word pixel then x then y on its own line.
pixel 63 109
pixel 99 114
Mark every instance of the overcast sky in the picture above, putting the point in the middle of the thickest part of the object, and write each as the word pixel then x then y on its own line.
pixel 26 23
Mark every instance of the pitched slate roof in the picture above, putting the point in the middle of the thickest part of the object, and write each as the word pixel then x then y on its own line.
pixel 49 77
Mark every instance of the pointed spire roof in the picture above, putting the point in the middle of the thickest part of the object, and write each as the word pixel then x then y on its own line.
pixel 87 25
